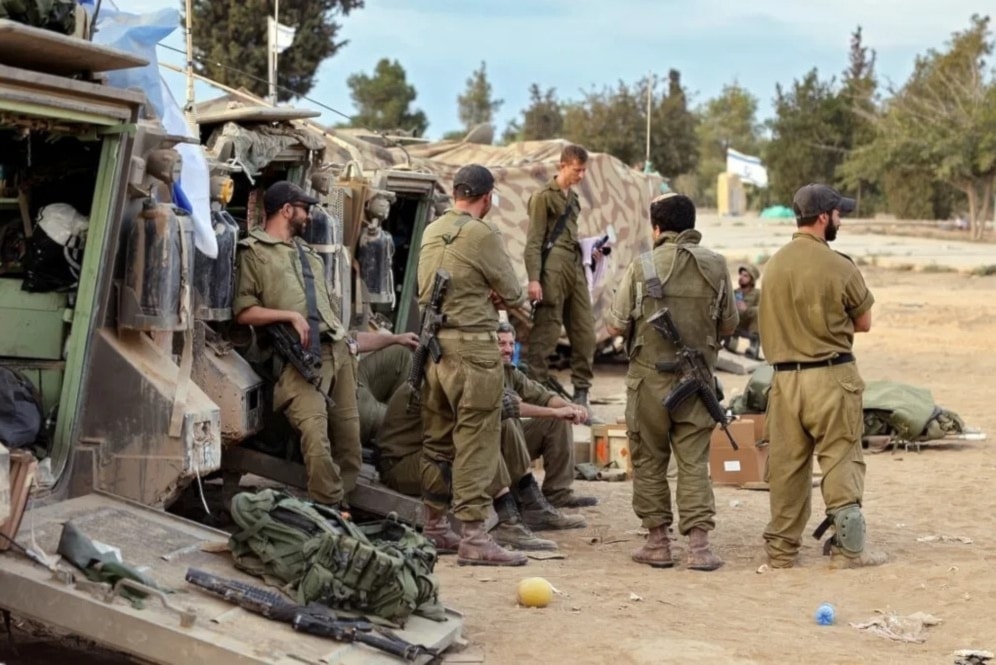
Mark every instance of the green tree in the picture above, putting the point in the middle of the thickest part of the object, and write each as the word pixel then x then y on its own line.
pixel 476 104
pixel 383 100
pixel 611 120
pixel 543 119
pixel 229 39
pixel 674 147
pixel 943 122
pixel 859 95
pixel 726 121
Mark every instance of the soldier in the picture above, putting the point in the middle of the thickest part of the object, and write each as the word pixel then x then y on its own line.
pixel 747 296
pixel 462 394
pixel 380 373
pixel 276 284
pixel 815 299
pixel 692 282
pixel 543 424
pixel 558 287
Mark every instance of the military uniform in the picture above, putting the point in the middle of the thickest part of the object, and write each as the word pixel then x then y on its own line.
pixel 461 397
pixel 380 374
pixel 812 294
pixel 566 300
pixel 270 276
pixel 751 298
pixel 699 295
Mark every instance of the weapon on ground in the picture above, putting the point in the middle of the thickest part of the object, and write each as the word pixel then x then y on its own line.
pixel 428 344
pixel 314 618
pixel 694 377
pixel 288 345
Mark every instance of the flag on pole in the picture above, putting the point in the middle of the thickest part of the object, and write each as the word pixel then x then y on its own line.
pixel 281 36
pixel 750 169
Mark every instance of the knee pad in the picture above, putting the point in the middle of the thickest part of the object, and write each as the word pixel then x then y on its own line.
pixel 849 529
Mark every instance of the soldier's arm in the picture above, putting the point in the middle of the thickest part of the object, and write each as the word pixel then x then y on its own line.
pixel 248 306
pixel 497 267
pixel 729 317
pixel 858 301
pixel 535 235
pixel 623 302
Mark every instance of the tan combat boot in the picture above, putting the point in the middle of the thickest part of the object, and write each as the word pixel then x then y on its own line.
pixel 536 511
pixel 656 551
pixel 700 556
pixel 437 529
pixel 511 532
pixel 839 560
pixel 478 549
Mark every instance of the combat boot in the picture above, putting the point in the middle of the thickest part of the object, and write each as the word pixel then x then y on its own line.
pixel 478 549
pixel 536 511
pixel 656 551
pixel 581 399
pixel 511 532
pixel 730 343
pixel 754 350
pixel 700 556
pixel 841 561
pixel 437 529
pixel 572 500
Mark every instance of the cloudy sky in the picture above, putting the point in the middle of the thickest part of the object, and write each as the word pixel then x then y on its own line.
pixel 573 46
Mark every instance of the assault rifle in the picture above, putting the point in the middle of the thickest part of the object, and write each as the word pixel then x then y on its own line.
pixel 288 346
pixel 694 375
pixel 314 618
pixel 428 344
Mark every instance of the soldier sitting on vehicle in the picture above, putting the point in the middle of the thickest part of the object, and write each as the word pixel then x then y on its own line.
pixel 747 297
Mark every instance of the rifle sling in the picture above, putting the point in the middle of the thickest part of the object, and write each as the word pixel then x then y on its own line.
pixel 655 289
pixel 558 229
pixel 311 300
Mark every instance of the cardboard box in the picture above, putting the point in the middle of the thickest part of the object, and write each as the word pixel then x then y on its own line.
pixel 609 443
pixel 736 467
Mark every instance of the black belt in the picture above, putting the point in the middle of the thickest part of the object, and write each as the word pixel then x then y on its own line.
pixel 829 362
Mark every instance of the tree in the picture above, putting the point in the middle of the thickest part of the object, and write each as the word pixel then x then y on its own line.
pixel 610 120
pixel 943 121
pixel 476 105
pixel 229 39
pixel 726 121
pixel 383 100
pixel 543 119
pixel 858 93
pixel 673 145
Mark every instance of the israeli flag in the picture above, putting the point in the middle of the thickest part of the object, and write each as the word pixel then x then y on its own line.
pixel 747 167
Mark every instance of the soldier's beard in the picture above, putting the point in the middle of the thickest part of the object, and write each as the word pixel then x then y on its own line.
pixel 830 234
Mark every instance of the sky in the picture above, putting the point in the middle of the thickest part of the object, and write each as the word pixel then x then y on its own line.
pixel 574 47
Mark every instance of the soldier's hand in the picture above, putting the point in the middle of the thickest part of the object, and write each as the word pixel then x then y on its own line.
pixel 408 339
pixel 497 301
pixel 741 306
pixel 535 292
pixel 566 413
pixel 580 415
pixel 301 326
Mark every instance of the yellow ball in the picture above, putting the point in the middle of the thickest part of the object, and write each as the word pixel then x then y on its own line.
pixel 534 592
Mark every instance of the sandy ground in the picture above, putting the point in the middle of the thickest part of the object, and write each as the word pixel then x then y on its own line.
pixel 930 329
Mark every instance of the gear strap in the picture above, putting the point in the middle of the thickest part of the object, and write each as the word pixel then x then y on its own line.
pixel 655 289
pixel 311 301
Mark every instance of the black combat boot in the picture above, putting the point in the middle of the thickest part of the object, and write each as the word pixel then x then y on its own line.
pixel 537 512
pixel 511 532
pixel 581 399
pixel 754 350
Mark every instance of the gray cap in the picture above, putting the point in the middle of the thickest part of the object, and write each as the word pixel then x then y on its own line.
pixel 812 200
pixel 473 180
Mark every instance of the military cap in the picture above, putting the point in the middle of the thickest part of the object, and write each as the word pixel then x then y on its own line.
pixel 473 180
pixel 814 199
pixel 283 192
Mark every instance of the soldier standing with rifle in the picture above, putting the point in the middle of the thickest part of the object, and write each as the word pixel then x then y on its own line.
pixel 692 283
pixel 277 286
pixel 464 381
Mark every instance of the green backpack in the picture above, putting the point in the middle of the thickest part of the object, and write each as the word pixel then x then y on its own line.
pixel 316 555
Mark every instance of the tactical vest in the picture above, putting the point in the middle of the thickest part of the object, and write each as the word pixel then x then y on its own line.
pixel 690 282
pixel 316 555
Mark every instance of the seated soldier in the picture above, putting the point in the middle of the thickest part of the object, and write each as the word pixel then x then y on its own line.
pixel 380 373
pixel 748 296
pixel 399 463
pixel 544 422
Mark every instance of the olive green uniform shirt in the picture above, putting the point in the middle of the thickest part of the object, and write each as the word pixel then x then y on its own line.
pixel 545 208
pixel 270 276
pixel 477 266
pixel 811 296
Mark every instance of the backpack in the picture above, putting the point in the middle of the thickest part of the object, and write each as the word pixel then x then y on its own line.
pixel 316 555
pixel 20 410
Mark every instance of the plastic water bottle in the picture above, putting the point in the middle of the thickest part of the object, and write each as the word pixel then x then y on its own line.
pixel 826 615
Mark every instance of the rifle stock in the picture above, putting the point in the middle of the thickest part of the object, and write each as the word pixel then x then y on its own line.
pixel 288 346
pixel 694 375
pixel 428 344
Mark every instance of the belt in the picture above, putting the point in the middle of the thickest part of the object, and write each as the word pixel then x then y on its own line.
pixel 453 333
pixel 829 362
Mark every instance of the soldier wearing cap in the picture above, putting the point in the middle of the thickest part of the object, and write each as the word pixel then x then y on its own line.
pixel 558 287
pixel 747 296
pixel 693 283
pixel 462 394
pixel 277 285
pixel 815 299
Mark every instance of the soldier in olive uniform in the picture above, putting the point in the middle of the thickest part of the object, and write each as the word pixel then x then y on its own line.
pixel 557 287
pixel 815 299
pixel 380 373
pixel 748 296
pixel 692 282
pixel 277 285
pixel 462 393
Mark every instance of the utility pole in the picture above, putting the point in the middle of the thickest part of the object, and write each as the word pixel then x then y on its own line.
pixel 188 109
pixel 651 80
pixel 271 45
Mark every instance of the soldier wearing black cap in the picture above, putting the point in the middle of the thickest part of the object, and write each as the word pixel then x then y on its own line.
pixel 277 284
pixel 814 300
pixel 462 394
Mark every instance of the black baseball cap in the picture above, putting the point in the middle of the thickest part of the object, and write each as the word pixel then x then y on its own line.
pixel 814 199
pixel 282 192
pixel 473 180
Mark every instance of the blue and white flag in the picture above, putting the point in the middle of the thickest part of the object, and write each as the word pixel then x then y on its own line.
pixel 747 167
